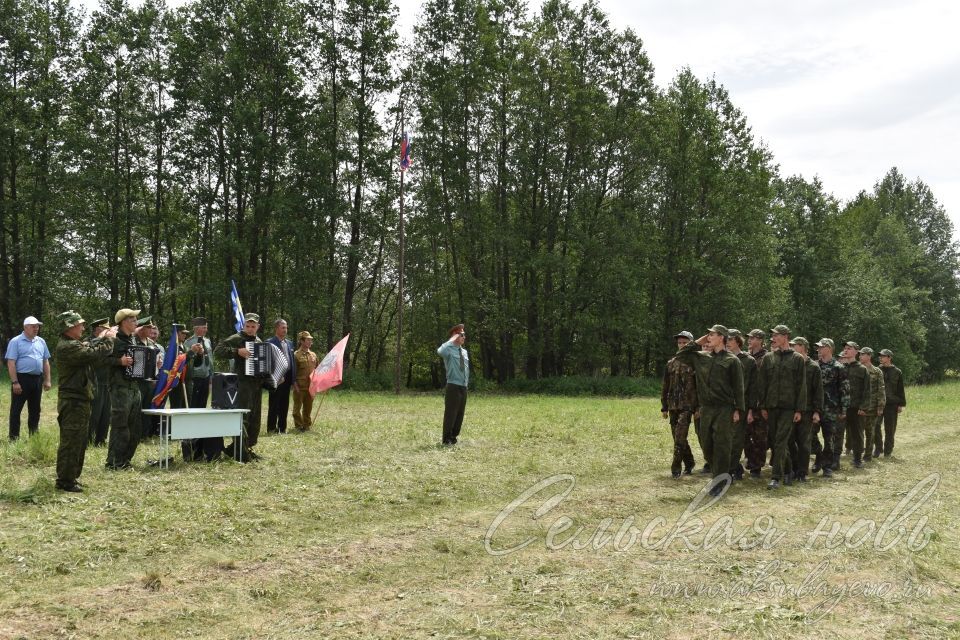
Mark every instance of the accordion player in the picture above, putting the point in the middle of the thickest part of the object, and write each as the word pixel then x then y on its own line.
pixel 265 361
pixel 144 365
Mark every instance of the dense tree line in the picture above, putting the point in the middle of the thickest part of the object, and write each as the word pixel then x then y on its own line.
pixel 571 212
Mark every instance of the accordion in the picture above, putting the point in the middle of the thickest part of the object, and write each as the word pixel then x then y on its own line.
pixel 144 365
pixel 266 361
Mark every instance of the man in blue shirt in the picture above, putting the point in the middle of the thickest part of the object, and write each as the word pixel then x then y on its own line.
pixel 28 363
pixel 457 364
pixel 278 400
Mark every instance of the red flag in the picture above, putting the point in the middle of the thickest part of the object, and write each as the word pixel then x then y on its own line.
pixel 330 371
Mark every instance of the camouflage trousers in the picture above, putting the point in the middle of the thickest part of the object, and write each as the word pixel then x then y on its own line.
pixel 827 427
pixel 781 432
pixel 870 422
pixel 679 429
pixel 73 416
pixel 125 425
pixel 755 442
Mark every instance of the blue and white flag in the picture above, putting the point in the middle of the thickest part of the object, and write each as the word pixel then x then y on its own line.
pixel 237 309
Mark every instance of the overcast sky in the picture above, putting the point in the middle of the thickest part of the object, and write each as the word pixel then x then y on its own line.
pixel 843 90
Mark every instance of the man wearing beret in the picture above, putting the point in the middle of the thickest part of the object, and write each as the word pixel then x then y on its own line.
pixel 720 393
pixel 896 400
pixel 859 380
pixel 74 362
pixel 457 363
pixel 802 431
pixel 678 402
pixel 249 388
pixel 755 443
pixel 782 384
pixel 836 399
pixel 735 346
pixel 100 409
pixel 125 418
pixel 306 362
pixel 873 411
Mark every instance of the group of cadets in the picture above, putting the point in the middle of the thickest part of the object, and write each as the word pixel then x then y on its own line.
pixel 744 404
pixel 99 404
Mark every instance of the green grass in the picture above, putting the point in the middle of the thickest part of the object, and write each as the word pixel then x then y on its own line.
pixel 365 528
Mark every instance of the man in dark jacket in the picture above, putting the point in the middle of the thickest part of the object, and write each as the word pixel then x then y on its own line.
pixel 896 400
pixel 802 431
pixel 782 384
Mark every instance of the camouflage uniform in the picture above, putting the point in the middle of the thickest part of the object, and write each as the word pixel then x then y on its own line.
pixel 836 399
pixel 125 415
pixel 874 409
pixel 720 392
pixel 782 383
pixel 250 393
pixel 750 397
pixel 896 398
pixel 756 433
pixel 678 396
pixel 800 442
pixel 859 379
pixel 75 393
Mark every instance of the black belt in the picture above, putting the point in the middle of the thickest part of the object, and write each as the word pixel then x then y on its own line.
pixel 29 375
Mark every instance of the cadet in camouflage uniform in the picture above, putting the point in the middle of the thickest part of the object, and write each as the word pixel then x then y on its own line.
pixel 896 401
pixel 836 399
pixel 859 380
pixel 749 365
pixel 800 442
pixel 782 383
pixel 755 443
pixel 74 362
pixel 873 410
pixel 124 395
pixel 100 411
pixel 720 393
pixel 678 402
pixel 250 394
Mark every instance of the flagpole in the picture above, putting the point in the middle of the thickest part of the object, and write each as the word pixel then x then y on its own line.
pixel 317 410
pixel 397 371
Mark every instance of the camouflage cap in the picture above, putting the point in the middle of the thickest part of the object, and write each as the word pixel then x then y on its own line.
pixel 801 340
pixel 757 333
pixel 718 329
pixel 866 351
pixel 684 334
pixel 255 317
pixel 853 344
pixel 733 333
pixel 70 319
pixel 825 342
pixel 123 314
pixel 886 352
pixel 782 329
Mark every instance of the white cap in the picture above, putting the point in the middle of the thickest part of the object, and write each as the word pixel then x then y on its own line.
pixel 31 320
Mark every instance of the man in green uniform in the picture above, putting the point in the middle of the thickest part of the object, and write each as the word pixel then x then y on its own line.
pixel 896 399
pixel 720 393
pixel 755 443
pixel 735 346
pixel 782 384
pixel 873 410
pixel 250 394
pixel 124 395
pixel 836 399
pixel 678 402
pixel 859 380
pixel 74 362
pixel 100 410
pixel 802 431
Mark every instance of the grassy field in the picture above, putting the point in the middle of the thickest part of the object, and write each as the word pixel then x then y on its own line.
pixel 365 528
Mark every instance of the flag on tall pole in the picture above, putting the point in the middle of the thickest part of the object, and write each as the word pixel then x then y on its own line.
pixel 405 152
pixel 174 364
pixel 329 373
pixel 237 309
